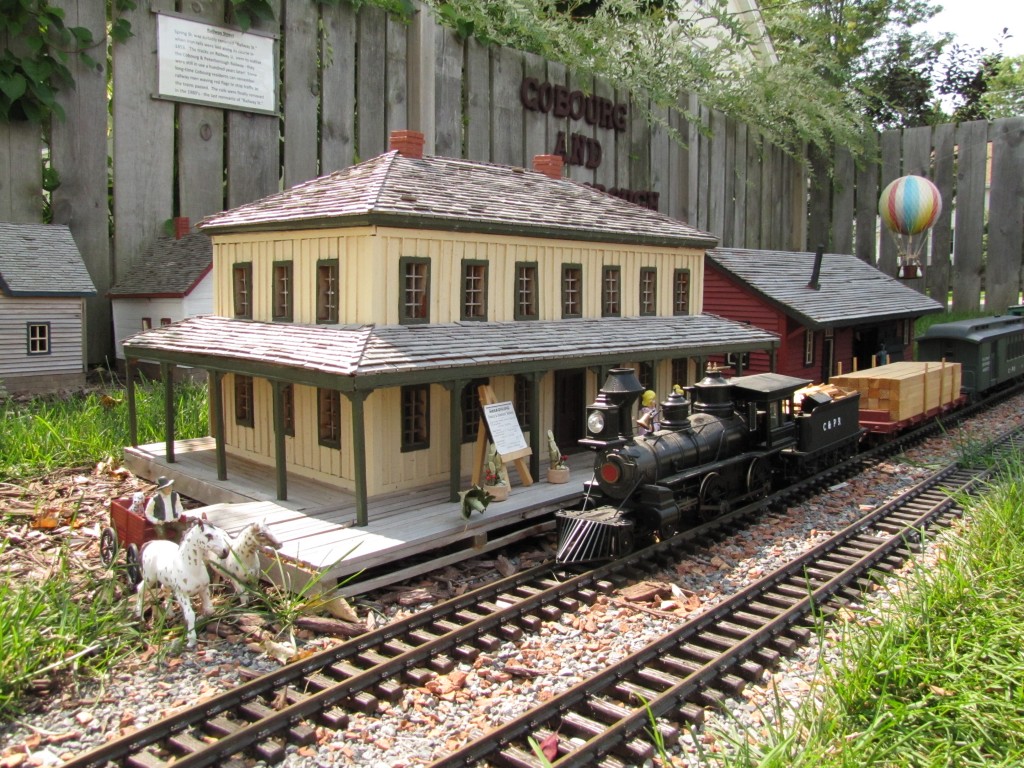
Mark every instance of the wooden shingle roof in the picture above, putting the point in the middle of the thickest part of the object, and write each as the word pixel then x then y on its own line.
pixel 169 268
pixel 369 356
pixel 850 290
pixel 41 260
pixel 457 195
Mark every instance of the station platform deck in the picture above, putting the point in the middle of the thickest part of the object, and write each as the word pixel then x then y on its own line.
pixel 408 532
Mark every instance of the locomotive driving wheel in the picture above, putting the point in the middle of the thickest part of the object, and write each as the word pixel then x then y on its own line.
pixel 759 479
pixel 712 497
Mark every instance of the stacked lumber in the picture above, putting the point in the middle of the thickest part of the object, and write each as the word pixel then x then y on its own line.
pixel 905 390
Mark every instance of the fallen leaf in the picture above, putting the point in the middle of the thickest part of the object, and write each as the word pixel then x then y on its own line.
pixel 549 746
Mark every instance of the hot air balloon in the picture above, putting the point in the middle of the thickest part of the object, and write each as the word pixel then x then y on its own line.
pixel 909 207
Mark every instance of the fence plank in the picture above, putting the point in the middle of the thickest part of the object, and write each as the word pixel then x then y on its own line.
pixel 936 274
pixel 866 247
pixel 450 54
pixel 78 151
pixel 752 231
pixel 659 149
pixel 371 93
pixel 623 143
pixel 678 163
pixel 1005 215
pixel 577 172
pixel 604 175
pixel 843 201
pixel 396 103
pixel 338 99
pixel 972 155
pixel 144 142
pixel 301 92
pixel 891 169
pixel 739 196
pixel 639 144
pixel 535 129
pixel 717 171
pixel 478 79
pixel 820 205
pixel 506 114
pixel 729 182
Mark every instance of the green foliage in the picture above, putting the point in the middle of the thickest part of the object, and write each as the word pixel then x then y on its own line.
pixel 75 620
pixel 49 433
pixel 1004 96
pixel 34 63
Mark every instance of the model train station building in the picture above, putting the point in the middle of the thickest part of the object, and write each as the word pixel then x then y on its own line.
pixel 356 314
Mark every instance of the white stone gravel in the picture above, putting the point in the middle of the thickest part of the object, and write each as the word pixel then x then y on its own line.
pixel 430 721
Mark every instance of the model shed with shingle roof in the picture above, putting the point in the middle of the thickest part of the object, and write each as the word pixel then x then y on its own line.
pixel 832 313
pixel 43 285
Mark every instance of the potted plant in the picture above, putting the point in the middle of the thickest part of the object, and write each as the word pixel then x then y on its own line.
pixel 558 470
pixel 495 475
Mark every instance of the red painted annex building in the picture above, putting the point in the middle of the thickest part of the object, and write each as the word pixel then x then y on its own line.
pixel 832 315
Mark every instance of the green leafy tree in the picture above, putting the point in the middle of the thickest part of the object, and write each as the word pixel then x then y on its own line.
pixel 1004 96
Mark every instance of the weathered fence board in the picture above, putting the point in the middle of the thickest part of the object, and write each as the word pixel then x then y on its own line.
pixel 866 195
pixel 892 167
pixel 843 202
pixel 397 88
pixel 1005 215
pixel 936 274
pixel 972 140
pixel 301 94
pixel 478 111
pixel 371 88
pixel 338 88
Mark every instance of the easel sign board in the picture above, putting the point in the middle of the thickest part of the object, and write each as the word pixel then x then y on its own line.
pixel 506 434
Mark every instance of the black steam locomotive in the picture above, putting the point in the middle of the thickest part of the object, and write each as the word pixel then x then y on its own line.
pixel 737 438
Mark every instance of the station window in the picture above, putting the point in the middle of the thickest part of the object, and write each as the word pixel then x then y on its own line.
pixel 328 403
pixel 526 291
pixel 808 346
pixel 414 303
pixel 282 309
pixel 38 338
pixel 681 292
pixel 611 291
pixel 243 400
pixel 471 411
pixel 327 291
pixel 572 290
pixel 523 401
pixel 415 417
pixel 648 291
pixel 680 371
pixel 288 409
pixel 646 375
pixel 474 290
pixel 241 286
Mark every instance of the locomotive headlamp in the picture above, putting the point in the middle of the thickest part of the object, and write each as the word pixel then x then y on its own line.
pixel 595 422
pixel 602 424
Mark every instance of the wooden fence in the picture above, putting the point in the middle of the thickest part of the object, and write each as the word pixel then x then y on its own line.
pixel 350 78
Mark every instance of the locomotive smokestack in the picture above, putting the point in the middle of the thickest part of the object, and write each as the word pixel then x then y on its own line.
pixel 818 256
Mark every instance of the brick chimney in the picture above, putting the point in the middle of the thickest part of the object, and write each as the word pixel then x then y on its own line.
pixel 181 227
pixel 408 143
pixel 549 165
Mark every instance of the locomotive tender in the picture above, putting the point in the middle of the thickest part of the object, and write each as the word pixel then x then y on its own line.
pixel 726 447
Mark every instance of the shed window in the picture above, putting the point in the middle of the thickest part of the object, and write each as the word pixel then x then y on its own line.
pixel 681 292
pixel 611 292
pixel 243 400
pixel 415 417
pixel 38 338
pixel 526 291
pixel 648 291
pixel 808 347
pixel 241 282
pixel 283 291
pixel 327 291
pixel 328 403
pixel 147 323
pixel 165 321
pixel 474 290
pixel 572 290
pixel 414 304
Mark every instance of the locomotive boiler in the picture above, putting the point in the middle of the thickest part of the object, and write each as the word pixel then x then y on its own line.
pixel 721 442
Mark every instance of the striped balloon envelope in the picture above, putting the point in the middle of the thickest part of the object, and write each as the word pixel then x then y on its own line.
pixel 909 205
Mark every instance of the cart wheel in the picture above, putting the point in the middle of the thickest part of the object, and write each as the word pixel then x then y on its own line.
pixel 108 546
pixel 134 566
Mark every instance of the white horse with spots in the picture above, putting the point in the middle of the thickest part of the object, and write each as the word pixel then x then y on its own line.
pixel 241 566
pixel 182 568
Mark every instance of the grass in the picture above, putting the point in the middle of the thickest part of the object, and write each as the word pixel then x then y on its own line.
pixel 938 678
pixel 46 434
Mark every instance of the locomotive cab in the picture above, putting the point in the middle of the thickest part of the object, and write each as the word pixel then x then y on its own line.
pixel 767 400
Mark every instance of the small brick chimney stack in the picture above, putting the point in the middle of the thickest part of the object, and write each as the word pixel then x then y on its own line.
pixel 408 143
pixel 181 227
pixel 549 165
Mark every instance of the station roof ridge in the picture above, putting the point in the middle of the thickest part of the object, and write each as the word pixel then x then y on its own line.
pixel 455 194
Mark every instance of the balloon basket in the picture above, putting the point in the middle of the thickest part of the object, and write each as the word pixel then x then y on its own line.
pixel 909 272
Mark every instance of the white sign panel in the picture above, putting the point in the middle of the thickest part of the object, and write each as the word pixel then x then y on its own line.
pixel 505 431
pixel 206 64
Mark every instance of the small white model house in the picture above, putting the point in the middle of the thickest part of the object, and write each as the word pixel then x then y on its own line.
pixel 43 285
pixel 171 281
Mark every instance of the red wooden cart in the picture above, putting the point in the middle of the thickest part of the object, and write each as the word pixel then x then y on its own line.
pixel 129 530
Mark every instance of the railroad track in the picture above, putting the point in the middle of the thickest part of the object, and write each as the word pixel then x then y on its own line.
pixel 263 716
